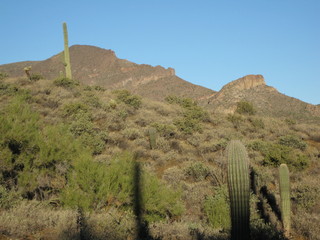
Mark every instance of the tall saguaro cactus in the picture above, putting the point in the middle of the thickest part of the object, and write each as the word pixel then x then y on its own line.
pixel 285 198
pixel 66 52
pixel 239 190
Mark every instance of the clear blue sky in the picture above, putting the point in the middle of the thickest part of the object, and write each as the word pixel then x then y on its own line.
pixel 207 42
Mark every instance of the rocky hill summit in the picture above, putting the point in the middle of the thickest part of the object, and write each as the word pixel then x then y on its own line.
pixel 244 83
pixel 266 100
pixel 96 66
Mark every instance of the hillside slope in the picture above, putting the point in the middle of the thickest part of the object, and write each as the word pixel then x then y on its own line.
pixel 266 100
pixel 96 66
pixel 65 146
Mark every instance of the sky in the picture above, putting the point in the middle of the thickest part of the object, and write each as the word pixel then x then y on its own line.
pixel 207 42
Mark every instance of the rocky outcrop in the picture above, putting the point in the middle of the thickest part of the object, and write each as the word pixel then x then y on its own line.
pixel 244 83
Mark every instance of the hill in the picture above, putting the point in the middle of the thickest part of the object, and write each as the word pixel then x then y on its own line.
pixel 86 160
pixel 96 66
pixel 68 151
pixel 266 100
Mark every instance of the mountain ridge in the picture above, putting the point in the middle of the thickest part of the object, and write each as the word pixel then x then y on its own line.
pixel 97 66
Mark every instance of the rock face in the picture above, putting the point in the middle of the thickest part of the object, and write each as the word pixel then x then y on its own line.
pixel 244 83
pixel 265 99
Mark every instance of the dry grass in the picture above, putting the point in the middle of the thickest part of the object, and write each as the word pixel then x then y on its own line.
pixel 32 218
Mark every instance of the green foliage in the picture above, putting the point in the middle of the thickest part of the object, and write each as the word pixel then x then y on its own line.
pixel 132 133
pixel 8 198
pixel 3 75
pixel 96 185
pixel 284 183
pixel 126 97
pixel 183 102
pixel 188 125
pixel 159 201
pixel 36 159
pixel 86 186
pixel 239 189
pixel 165 130
pixel 257 123
pixel 192 117
pixel 290 121
pixel 65 82
pixel 217 209
pixel 245 108
pixel 235 119
pixel 293 141
pixel 73 109
pixel 12 90
pixel 306 196
pixel 274 154
pixel 92 101
pixel 82 127
pixel 36 77
pixel 197 171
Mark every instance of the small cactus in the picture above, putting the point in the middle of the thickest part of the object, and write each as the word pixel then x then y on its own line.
pixel 285 198
pixel 239 189
pixel 66 52
pixel 152 137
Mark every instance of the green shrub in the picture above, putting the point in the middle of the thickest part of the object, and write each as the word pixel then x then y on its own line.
pixel 257 123
pixel 217 209
pixel 83 129
pixel 235 119
pixel 92 101
pixel 193 114
pixel 197 171
pixel 274 154
pixel 126 97
pixel 65 82
pixel 132 133
pixel 11 90
pixel 183 102
pixel 165 130
pixel 293 141
pixel 8 198
pixel 96 185
pixel 306 196
pixel 188 125
pixel 245 108
pixel 73 109
pixel 36 77
pixel 36 159
pixel 3 75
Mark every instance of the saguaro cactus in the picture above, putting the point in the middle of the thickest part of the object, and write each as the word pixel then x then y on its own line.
pixel 66 52
pixel 285 198
pixel 152 137
pixel 239 190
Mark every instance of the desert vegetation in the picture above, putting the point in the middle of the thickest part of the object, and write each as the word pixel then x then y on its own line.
pixel 82 161
pixel 71 157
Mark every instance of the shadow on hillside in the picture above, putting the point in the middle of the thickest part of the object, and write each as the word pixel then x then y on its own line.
pixel 141 225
